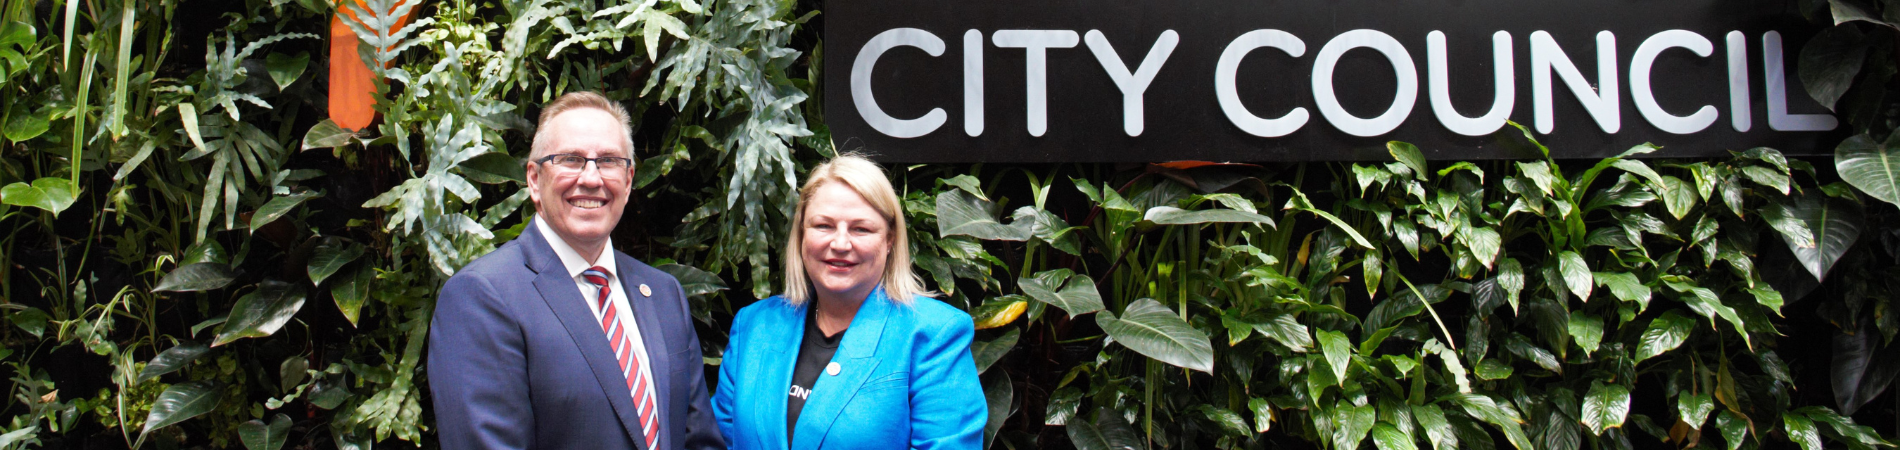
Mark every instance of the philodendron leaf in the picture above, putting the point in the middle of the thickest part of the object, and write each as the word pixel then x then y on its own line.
pixel 277 207
pixel 1625 286
pixel 1734 428
pixel 351 291
pixel 1835 225
pixel 1106 432
pixel 261 312
pixel 1870 165
pixel 1576 274
pixel 1077 297
pixel 285 70
pixel 1226 419
pixel 1831 61
pixel 1664 334
pixel 1288 331
pixel 23 123
pixel 1169 215
pixel 1153 330
pixel 172 359
pixel 1000 395
pixel 1388 437
pixel 193 277
pixel 1587 329
pixel 326 134
pixel 1438 431
pixel 999 311
pixel 1605 406
pixel 180 402
pixel 50 193
pixel 260 436
pixel 1679 197
pixel 959 213
pixel 988 352
pixel 330 256
pixel 1262 414
pixel 1409 155
pixel 1694 408
pixel 1350 423
pixel 1338 351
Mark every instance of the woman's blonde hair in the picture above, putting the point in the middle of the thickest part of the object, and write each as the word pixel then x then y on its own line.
pixel 869 181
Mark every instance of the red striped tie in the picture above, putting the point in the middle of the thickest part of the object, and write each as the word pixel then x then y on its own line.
pixel 629 361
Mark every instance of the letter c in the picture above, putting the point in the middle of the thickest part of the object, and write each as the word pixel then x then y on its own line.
pixel 1227 69
pixel 861 83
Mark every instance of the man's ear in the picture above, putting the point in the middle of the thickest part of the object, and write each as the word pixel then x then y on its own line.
pixel 534 178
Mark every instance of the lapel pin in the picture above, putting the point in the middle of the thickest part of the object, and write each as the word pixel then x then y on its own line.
pixel 645 291
pixel 832 369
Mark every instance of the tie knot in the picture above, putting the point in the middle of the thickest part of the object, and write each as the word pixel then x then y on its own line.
pixel 596 275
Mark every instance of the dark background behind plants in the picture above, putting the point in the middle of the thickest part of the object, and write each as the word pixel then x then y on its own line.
pixel 196 257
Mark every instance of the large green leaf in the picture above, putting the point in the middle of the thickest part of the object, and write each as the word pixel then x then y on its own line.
pixel 1801 430
pixel 330 256
pixel 180 402
pixel 285 70
pixel 1678 196
pixel 986 352
pixel 1262 414
pixel 1077 297
pixel 1835 225
pixel 959 213
pixel 51 194
pixel 172 359
pixel 277 207
pixel 326 134
pixel 1000 395
pixel 494 168
pixel 23 123
pixel 194 277
pixel 1438 431
pixel 1338 351
pixel 262 312
pixel 1409 155
pixel 1288 331
pixel 1106 432
pixel 1872 166
pixel 1225 420
pixel 1863 366
pixel 1497 414
pixel 1169 215
pixel 1694 409
pixel 1625 286
pixel 1150 328
pixel 1605 406
pixel 1734 428
pixel 1388 437
pixel 260 436
pixel 1830 62
pixel 351 291
pixel 1576 274
pixel 1351 423
pixel 1664 334
pixel 1587 329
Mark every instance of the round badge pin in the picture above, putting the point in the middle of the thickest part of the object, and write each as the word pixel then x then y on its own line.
pixel 646 291
pixel 833 369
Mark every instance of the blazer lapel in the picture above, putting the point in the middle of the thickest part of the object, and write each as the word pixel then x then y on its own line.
pixel 564 298
pixel 646 311
pixel 856 359
pixel 779 335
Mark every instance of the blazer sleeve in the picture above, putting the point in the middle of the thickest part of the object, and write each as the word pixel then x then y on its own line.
pixel 723 398
pixel 702 430
pixel 948 410
pixel 478 369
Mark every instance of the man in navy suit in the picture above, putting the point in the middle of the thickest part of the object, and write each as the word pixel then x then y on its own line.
pixel 556 340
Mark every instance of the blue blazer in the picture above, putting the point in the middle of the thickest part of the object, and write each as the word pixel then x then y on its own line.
pixel 907 380
pixel 517 361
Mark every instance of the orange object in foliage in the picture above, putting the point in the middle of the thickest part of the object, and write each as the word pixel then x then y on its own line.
pixel 352 86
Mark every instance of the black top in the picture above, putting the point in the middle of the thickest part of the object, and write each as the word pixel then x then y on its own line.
pixel 814 353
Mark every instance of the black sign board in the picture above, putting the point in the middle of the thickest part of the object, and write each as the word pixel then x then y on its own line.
pixel 1276 80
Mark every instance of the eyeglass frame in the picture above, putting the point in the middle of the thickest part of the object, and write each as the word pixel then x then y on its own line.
pixel 584 161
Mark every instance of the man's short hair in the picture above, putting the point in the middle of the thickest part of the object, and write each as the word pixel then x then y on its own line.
pixel 580 99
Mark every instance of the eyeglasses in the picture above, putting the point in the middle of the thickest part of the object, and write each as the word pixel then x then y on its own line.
pixel 568 162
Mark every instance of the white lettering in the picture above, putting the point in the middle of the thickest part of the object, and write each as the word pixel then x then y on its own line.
pixel 1547 57
pixel 1132 85
pixel 861 83
pixel 973 83
pixel 1778 117
pixel 1645 98
pixel 1035 44
pixel 1402 68
pixel 1504 87
pixel 1739 112
pixel 1228 68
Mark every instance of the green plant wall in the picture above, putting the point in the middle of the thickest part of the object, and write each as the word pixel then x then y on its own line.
pixel 195 256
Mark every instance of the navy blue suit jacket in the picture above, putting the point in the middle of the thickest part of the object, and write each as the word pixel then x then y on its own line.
pixel 906 380
pixel 518 361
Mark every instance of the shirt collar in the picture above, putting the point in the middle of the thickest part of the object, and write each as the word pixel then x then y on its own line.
pixel 571 259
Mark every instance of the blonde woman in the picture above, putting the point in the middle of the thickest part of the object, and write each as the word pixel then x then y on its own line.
pixel 853 355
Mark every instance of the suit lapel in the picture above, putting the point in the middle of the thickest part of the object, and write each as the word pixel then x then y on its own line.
pixel 564 298
pixel 646 311
pixel 856 359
